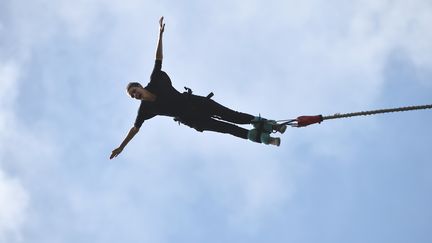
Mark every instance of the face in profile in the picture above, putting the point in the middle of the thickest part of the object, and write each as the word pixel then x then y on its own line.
pixel 136 93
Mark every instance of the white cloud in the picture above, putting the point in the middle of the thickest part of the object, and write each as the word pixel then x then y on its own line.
pixel 14 201
pixel 18 147
pixel 13 197
pixel 316 47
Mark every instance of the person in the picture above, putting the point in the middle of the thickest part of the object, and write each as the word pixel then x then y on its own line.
pixel 159 97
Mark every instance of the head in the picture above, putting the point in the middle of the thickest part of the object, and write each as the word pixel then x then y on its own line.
pixel 135 90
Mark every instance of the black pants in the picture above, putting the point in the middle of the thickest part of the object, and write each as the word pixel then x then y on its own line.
pixel 205 114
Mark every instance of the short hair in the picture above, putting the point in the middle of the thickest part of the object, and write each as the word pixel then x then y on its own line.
pixel 132 85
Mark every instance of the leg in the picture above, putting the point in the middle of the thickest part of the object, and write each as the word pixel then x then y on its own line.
pixel 215 109
pixel 229 115
pixel 214 125
pixel 223 127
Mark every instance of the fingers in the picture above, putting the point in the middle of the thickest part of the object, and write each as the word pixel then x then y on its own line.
pixel 114 153
pixel 161 23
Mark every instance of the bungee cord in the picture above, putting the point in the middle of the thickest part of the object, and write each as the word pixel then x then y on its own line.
pixel 303 121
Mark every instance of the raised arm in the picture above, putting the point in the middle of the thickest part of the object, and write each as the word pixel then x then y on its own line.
pixel 159 51
pixel 134 130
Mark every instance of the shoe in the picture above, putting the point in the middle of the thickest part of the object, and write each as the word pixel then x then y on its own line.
pixel 280 128
pixel 275 141
pixel 268 125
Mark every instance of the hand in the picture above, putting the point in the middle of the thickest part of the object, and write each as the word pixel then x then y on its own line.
pixel 161 25
pixel 116 152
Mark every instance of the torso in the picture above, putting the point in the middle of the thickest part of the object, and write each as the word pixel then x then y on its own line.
pixel 149 96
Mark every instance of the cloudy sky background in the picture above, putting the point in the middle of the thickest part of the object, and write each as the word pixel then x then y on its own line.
pixel 63 69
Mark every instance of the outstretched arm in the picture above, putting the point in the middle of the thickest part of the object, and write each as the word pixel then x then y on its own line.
pixel 130 135
pixel 159 51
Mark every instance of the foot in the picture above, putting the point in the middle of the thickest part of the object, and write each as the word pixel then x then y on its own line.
pixel 275 141
pixel 268 125
pixel 279 128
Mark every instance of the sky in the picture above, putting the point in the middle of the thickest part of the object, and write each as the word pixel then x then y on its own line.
pixel 64 66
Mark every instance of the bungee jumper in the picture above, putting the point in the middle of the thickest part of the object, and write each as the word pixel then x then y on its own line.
pixel 202 113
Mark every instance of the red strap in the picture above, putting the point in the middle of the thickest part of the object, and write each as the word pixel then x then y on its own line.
pixel 303 121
